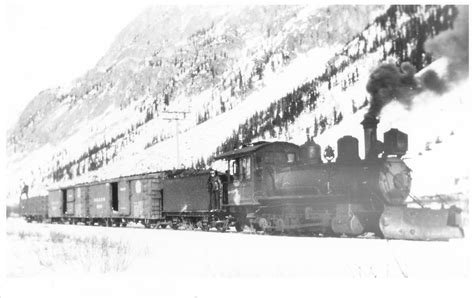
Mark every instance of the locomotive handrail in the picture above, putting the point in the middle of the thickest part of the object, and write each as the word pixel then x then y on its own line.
pixel 416 200
pixel 277 206
pixel 289 197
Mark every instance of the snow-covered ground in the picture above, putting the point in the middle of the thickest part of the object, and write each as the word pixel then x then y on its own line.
pixel 53 258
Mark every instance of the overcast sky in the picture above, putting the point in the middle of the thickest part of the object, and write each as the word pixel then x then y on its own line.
pixel 51 42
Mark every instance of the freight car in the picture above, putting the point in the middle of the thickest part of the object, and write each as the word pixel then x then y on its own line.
pixel 111 202
pixel 273 187
pixel 161 199
pixel 34 208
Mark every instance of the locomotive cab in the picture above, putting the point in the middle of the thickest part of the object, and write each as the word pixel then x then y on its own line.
pixel 250 167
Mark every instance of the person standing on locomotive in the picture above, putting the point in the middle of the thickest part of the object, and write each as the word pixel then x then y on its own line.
pixel 214 186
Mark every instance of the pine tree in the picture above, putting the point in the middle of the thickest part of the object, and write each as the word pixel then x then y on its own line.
pixel 316 126
pixel 240 80
pixel 250 83
pixel 354 108
pixel 222 105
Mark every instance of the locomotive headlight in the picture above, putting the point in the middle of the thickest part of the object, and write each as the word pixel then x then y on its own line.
pixel 395 181
pixel 395 142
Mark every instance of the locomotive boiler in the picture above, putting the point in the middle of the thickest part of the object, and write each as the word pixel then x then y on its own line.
pixel 282 188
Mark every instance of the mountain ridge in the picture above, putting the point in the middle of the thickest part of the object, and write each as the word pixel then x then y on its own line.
pixel 102 81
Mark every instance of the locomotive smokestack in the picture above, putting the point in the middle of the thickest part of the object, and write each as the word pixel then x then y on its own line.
pixel 370 136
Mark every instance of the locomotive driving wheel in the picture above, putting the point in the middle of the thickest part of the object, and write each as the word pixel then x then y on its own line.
pixel 202 226
pixel 220 226
pixel 280 226
pixel 238 226
pixel 262 225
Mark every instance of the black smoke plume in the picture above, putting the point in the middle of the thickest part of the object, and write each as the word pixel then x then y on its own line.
pixel 430 80
pixel 389 82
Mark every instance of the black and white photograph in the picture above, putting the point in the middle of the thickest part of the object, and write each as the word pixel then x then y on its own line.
pixel 235 149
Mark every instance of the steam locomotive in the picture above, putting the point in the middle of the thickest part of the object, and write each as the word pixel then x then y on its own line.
pixel 273 187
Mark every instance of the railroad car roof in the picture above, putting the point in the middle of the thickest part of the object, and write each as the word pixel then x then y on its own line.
pixel 106 180
pixel 251 149
pixel 169 174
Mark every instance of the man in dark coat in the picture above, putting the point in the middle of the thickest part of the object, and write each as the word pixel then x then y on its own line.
pixel 24 190
pixel 214 186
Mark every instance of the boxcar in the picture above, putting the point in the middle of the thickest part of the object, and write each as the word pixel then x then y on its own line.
pixel 34 208
pixel 145 198
pixel 114 201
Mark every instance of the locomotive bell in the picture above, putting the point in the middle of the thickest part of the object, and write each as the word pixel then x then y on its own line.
pixel 310 152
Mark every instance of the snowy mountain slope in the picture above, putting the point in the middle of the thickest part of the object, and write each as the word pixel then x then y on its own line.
pixel 170 51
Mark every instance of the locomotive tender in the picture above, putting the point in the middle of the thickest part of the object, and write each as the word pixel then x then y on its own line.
pixel 275 187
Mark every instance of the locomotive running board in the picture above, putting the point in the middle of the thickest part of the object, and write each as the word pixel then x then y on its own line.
pixel 421 224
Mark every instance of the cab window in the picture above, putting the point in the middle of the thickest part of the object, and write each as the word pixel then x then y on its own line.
pixel 291 157
pixel 236 168
pixel 246 169
pixel 241 168
pixel 280 158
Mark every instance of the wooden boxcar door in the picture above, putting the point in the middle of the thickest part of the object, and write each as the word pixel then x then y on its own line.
pixel 80 202
pixel 70 202
pixel 124 197
pixel 136 188
pixel 156 194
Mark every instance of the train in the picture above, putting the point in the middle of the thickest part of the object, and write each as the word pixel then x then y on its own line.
pixel 268 187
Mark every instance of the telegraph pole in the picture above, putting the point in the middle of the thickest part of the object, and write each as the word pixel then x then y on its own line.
pixel 176 116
